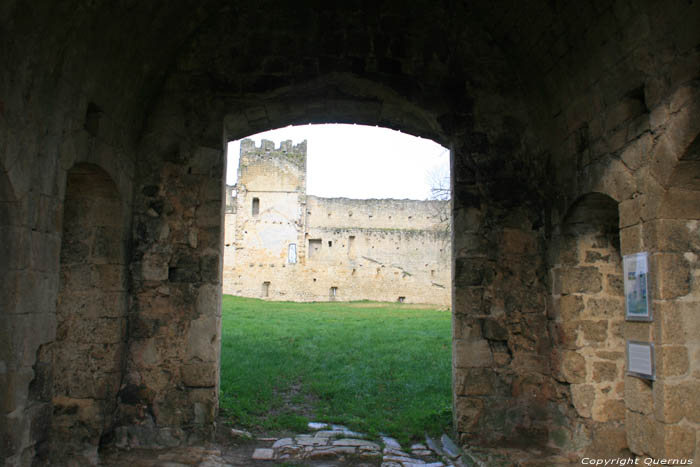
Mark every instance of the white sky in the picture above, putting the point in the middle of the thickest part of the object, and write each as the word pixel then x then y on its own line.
pixel 357 161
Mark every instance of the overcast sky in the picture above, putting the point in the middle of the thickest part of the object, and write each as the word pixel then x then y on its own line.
pixel 357 161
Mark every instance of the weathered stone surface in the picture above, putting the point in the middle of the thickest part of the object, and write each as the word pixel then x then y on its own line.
pixel 583 396
pixel 390 443
pixel 472 353
pixel 573 367
pixel 577 280
pixel 263 454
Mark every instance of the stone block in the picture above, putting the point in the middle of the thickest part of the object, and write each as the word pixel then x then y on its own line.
pixel 670 235
pixel 614 285
pixel 673 402
pixel 679 441
pixel 672 360
pixel 595 331
pixel 610 410
pixel 638 331
pixel 664 157
pixel 670 322
pixel 637 152
pixel 583 397
pixel 569 307
pixel 475 382
pixel 469 301
pixel 604 372
pixel 631 239
pixel 200 374
pixel 669 276
pixel 577 280
pixel 608 442
pixel 630 211
pixel 605 307
pixel 638 395
pixel 680 204
pixel 573 367
pixel 203 339
pixel 209 300
pixel 472 353
pixel 642 436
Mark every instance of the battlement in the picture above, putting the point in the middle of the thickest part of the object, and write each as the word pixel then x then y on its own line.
pixel 268 147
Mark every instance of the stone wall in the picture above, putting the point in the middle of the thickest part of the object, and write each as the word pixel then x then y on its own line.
pixel 341 249
pixel 91 308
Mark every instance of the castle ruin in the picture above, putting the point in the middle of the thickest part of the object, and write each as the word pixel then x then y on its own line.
pixel 283 244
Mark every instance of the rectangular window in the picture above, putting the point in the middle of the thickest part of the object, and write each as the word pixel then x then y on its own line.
pixel 292 253
pixel 314 247
pixel 266 289
pixel 256 206
pixel 333 293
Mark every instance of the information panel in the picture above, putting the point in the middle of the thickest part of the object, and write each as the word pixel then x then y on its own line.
pixel 636 271
pixel 640 360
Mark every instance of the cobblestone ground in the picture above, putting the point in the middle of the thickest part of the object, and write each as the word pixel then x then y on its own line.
pixel 327 446
pixel 324 445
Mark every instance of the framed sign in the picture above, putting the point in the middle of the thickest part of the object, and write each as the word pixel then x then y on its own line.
pixel 640 360
pixel 636 273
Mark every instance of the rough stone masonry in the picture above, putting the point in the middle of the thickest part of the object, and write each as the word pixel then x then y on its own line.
pixel 573 129
pixel 282 244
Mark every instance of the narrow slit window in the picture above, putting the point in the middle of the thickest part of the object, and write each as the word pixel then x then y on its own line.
pixel 351 246
pixel 334 293
pixel 256 206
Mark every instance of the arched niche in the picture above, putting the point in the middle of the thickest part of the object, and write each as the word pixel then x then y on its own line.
pixel 586 321
pixel 88 353
pixel 8 235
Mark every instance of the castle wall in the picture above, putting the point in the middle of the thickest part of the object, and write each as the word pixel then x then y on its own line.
pixel 304 248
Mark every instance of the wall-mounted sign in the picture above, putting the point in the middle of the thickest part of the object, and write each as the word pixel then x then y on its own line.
pixel 636 271
pixel 640 360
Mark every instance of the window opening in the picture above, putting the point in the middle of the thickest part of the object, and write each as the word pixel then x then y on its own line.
pixel 292 253
pixel 256 206
pixel 266 289
pixel 314 247
pixel 351 246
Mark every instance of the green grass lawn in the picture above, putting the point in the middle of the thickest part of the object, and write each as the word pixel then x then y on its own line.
pixel 375 367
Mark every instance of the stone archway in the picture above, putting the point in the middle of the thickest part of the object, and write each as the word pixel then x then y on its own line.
pixel 89 350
